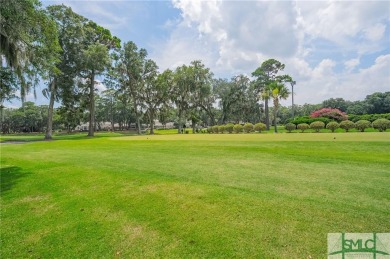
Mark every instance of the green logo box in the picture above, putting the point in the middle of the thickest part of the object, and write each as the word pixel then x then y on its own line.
pixel 359 245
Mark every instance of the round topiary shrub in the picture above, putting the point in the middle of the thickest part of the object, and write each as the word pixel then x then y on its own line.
pixel 237 128
pixel 210 130
pixel 303 126
pixel 259 127
pixel 317 126
pixel 347 125
pixel 332 126
pixel 229 127
pixel 381 124
pixel 290 127
pixel 221 128
pixel 248 127
pixel 215 129
pixel 362 125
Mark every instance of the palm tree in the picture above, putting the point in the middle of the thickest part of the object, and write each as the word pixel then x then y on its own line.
pixel 292 97
pixel 278 92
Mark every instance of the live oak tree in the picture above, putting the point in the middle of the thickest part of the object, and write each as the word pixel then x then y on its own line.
pixel 181 93
pixel 63 86
pixel 156 90
pixel 129 66
pixel 28 42
pixel 96 60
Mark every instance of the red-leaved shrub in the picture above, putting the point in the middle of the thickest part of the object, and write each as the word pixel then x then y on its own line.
pixel 334 114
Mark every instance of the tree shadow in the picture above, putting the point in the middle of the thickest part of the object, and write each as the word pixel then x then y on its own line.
pixel 9 177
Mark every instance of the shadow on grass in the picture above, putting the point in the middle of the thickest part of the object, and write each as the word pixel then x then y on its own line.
pixel 9 177
pixel 26 138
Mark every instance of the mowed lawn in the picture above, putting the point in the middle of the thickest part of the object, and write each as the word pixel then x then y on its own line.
pixel 192 196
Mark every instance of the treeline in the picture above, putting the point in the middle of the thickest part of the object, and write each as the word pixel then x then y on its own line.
pixel 68 52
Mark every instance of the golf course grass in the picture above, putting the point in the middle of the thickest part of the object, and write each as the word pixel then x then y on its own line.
pixel 191 195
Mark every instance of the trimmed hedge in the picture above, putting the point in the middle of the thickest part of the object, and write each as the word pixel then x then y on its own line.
pixel 332 126
pixel 369 117
pixel 229 127
pixel 260 127
pixel 237 128
pixel 362 125
pixel 221 128
pixel 248 127
pixel 381 124
pixel 308 120
pixel 303 126
pixel 317 125
pixel 347 125
pixel 290 127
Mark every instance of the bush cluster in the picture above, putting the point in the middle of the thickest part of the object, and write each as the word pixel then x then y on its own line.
pixel 317 126
pixel 290 127
pixel 361 125
pixel 369 117
pixel 308 120
pixel 347 125
pixel 236 128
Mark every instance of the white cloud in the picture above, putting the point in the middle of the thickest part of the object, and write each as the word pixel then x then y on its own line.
pixel 375 32
pixel 353 25
pixel 233 37
pixel 351 64
pixel 325 83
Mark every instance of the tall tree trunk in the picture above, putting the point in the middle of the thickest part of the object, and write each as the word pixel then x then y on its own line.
pixel 275 115
pixel 2 128
pixel 49 129
pixel 266 110
pixel 91 130
pixel 112 118
pixel 137 115
pixel 193 127
pixel 151 119
pixel 292 100
pixel 180 124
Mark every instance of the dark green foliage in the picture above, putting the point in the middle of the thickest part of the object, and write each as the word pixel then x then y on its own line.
pixel 215 129
pixel 347 125
pixel 332 126
pixel 290 127
pixel 317 126
pixel 381 124
pixel 362 125
pixel 369 117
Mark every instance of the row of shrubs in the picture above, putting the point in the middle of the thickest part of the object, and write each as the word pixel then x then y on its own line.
pixel 351 117
pixel 361 125
pixel 237 128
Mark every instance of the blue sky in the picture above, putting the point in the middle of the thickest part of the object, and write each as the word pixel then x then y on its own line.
pixel 331 48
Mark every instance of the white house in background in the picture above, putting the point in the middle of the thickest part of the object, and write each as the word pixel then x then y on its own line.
pixel 100 126
pixel 107 126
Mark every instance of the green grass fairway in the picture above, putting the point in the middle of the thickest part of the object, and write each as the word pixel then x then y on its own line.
pixel 192 196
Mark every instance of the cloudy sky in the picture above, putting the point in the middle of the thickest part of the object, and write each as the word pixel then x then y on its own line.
pixel 330 48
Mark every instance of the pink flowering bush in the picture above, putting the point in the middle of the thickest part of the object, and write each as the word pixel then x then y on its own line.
pixel 334 114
